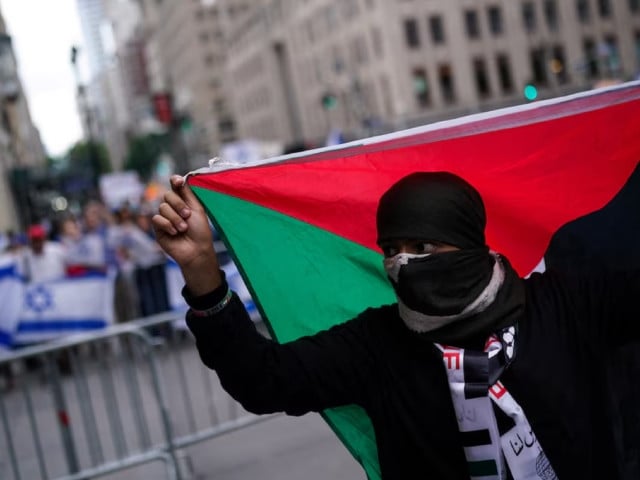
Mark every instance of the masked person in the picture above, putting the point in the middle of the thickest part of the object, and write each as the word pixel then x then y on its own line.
pixel 474 372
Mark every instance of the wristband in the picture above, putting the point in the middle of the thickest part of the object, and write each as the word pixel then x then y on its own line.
pixel 216 308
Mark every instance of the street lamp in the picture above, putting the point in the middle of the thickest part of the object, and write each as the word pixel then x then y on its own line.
pixel 94 168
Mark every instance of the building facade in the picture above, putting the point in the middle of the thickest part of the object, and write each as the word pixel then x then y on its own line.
pixel 117 104
pixel 302 68
pixel 186 54
pixel 20 143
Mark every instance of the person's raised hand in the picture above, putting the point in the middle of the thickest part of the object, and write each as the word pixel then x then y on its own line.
pixel 183 232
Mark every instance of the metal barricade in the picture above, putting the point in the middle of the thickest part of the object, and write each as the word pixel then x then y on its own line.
pixel 91 405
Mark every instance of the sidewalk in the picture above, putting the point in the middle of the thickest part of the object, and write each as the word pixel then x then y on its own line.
pixel 280 448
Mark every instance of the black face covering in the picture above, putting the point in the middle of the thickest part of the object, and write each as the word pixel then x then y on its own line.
pixel 444 283
pixel 436 206
pixel 444 208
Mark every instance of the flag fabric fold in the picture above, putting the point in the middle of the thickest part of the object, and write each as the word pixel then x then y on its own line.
pixel 301 228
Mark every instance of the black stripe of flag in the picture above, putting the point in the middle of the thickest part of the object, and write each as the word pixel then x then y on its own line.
pixel 476 374
pixel 474 438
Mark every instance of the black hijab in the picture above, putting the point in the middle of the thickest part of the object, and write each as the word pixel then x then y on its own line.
pixel 442 207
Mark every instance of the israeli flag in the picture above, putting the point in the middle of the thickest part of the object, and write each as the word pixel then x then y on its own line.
pixel 62 307
pixel 11 294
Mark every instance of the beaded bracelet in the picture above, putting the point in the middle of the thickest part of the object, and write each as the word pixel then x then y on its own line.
pixel 216 308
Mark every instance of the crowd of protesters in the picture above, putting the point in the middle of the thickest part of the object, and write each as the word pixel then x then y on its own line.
pixel 98 241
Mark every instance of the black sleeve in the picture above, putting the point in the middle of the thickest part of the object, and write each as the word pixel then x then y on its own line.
pixel 604 304
pixel 312 373
pixel 613 301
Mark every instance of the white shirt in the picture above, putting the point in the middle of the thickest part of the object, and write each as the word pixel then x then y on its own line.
pixel 49 265
pixel 88 251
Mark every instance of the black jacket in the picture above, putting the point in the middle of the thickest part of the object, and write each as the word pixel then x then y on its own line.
pixel 575 375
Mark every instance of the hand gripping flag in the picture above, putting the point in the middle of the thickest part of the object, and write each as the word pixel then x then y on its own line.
pixel 302 231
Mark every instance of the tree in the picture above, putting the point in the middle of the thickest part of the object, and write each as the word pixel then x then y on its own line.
pixel 90 157
pixel 144 152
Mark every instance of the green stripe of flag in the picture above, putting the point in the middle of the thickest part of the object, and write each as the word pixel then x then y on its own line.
pixel 274 251
pixel 483 468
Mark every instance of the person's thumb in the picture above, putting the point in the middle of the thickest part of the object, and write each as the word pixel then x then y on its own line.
pixel 180 186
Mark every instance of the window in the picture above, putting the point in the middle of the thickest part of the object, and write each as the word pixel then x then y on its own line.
pixel 471 23
pixel 359 52
pixel 411 33
pixel 331 17
pixel 338 62
pixel 421 87
pixel 481 78
pixel 219 105
pixel 637 43
pixel 226 126
pixel 538 66
pixel 495 20
pixel 590 58
pixel 445 78
pixel 558 64
pixel 583 11
pixel 551 14
pixel 529 16
pixel 604 8
pixel 377 43
pixel 611 54
pixel 437 29
pixel 349 9
pixel 504 73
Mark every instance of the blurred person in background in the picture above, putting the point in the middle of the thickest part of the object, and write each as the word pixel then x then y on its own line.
pixel 44 260
pixel 97 221
pixel 16 242
pixel 84 253
pixel 126 291
pixel 144 261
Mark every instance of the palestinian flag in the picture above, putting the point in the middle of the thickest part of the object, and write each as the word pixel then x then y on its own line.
pixel 301 227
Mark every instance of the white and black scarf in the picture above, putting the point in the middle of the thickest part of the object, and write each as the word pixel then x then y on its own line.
pixel 476 391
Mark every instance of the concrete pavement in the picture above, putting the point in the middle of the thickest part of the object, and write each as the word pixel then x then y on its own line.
pixel 281 448
pixel 111 411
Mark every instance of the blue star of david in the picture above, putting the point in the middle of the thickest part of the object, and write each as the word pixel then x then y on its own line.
pixel 39 299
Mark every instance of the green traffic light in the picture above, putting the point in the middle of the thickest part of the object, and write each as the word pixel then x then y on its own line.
pixel 530 92
pixel 329 102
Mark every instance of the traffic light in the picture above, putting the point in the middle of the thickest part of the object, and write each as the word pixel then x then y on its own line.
pixel 530 92
pixel 329 101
